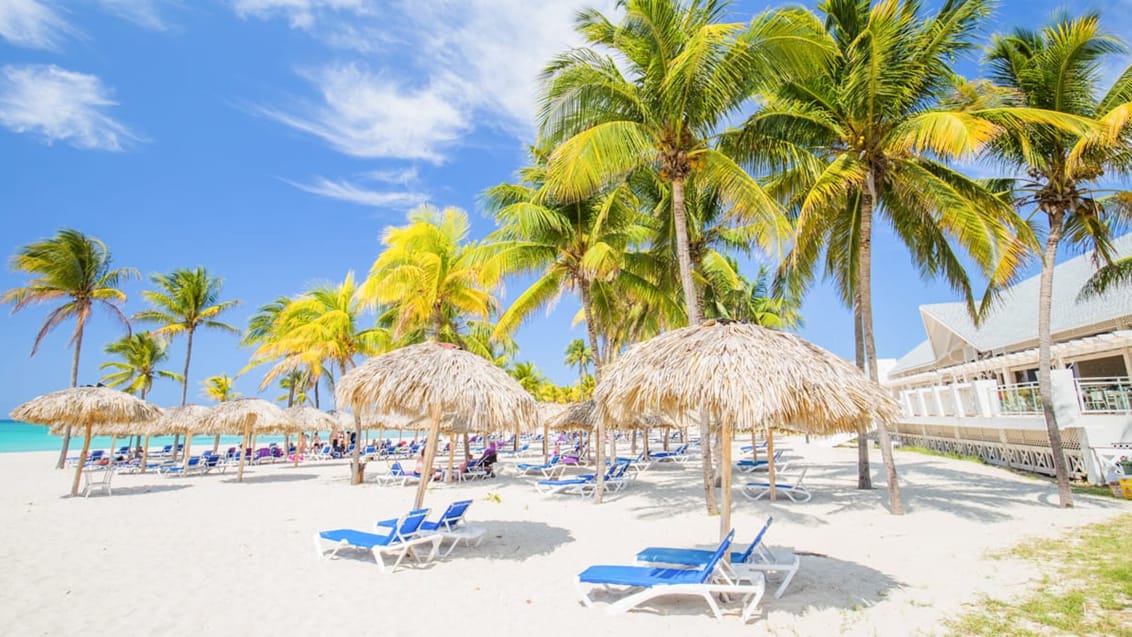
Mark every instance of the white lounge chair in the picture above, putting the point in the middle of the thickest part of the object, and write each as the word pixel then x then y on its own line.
pixel 402 539
pixel 757 558
pixel 703 582
pixel 790 487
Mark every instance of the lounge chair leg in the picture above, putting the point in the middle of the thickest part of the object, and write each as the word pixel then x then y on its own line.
pixel 586 601
pixel 317 546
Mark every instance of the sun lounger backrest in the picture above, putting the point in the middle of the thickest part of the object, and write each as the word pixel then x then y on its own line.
pixel 455 512
pixel 724 546
pixel 411 524
pixel 746 555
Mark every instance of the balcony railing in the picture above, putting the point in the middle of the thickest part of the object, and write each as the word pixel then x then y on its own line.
pixel 1105 395
pixel 1019 399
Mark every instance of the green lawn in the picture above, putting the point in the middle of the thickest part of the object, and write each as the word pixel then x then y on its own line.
pixel 1085 589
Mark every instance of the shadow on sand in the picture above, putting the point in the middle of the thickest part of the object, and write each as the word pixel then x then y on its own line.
pixel 822 582
pixel 135 490
pixel 272 477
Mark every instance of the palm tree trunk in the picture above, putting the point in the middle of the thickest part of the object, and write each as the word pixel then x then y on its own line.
pixel 357 469
pixel 864 291
pixel 1045 343
pixel 864 473
pixel 599 428
pixel 74 383
pixel 692 304
pixel 185 381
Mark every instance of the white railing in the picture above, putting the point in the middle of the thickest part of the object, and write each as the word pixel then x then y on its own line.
pixel 1105 395
pixel 1019 399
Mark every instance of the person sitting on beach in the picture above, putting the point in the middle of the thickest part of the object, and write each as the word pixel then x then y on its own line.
pixel 419 470
pixel 489 458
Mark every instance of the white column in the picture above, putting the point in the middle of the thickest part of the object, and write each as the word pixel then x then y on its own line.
pixel 938 400
pixel 986 397
pixel 958 400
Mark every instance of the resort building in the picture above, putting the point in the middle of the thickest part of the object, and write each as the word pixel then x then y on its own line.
pixel 973 390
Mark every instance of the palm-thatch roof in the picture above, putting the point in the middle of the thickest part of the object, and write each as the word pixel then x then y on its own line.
pixel 86 406
pixel 244 415
pixel 304 418
pixel 435 379
pixel 438 381
pixel 583 415
pixel 744 376
pixel 183 419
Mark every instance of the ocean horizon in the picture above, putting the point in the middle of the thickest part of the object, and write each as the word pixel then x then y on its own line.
pixel 16 436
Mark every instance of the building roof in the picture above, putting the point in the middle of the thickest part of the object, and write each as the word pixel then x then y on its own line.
pixel 1012 325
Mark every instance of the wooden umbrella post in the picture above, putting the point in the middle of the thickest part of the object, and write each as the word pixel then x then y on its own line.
pixel 188 450
pixel 451 456
pixel 243 452
pixel 145 454
pixel 725 460
pixel 82 461
pixel 545 443
pixel 770 463
pixel 430 456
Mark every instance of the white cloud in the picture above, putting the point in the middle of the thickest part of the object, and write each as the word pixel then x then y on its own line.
pixel 469 63
pixel 347 191
pixel 301 14
pixel 401 176
pixel 32 24
pixel 369 115
pixel 60 105
pixel 143 13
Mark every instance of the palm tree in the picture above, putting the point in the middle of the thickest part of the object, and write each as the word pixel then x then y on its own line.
pixel 1110 276
pixel 317 327
pixel 184 301
pixel 527 375
pixel 320 326
pixel 73 268
pixel 141 354
pixel 730 295
pixel 221 388
pixel 863 137
pixel 427 277
pixel 1060 68
pixel 686 73
pixel 569 246
pixel 577 354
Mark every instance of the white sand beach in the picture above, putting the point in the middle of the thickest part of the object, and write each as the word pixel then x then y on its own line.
pixel 209 556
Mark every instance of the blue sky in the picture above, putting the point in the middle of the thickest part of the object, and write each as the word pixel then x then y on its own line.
pixel 272 141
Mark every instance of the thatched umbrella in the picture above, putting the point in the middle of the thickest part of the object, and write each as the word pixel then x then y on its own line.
pixel 741 377
pixel 435 379
pixel 243 416
pixel 183 419
pixel 546 411
pixel 583 415
pixel 302 418
pixel 86 407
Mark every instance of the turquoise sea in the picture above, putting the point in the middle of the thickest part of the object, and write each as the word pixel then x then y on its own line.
pixel 20 436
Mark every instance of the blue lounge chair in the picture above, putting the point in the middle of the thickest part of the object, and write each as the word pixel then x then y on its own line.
pixel 679 454
pixel 748 466
pixel 401 539
pixel 757 557
pixel 178 469
pixel 790 487
pixel 548 469
pixel 396 475
pixel 450 526
pixel 585 483
pixel 660 582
